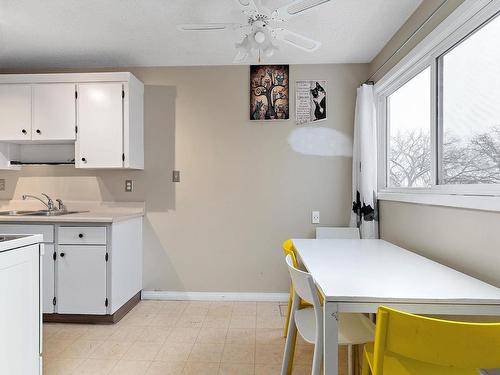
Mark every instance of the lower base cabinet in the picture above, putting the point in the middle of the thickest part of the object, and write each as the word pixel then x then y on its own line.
pixel 20 345
pixel 81 279
pixel 88 269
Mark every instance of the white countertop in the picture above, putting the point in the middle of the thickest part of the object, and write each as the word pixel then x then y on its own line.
pixel 95 212
pixel 20 242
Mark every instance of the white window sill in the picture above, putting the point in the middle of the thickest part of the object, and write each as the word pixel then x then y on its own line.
pixel 473 202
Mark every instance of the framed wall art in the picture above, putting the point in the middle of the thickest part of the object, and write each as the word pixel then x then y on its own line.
pixel 269 92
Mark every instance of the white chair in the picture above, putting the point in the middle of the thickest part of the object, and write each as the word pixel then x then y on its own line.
pixel 338 232
pixel 354 329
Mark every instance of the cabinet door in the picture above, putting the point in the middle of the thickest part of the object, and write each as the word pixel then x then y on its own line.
pixel 20 311
pixel 54 111
pixel 48 267
pixel 81 279
pixel 100 125
pixel 15 112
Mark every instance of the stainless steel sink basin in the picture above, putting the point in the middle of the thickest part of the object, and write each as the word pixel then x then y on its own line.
pixel 38 213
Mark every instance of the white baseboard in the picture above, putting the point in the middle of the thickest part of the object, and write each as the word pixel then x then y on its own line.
pixel 213 296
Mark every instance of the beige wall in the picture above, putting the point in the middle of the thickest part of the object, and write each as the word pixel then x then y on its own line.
pixel 463 239
pixel 243 189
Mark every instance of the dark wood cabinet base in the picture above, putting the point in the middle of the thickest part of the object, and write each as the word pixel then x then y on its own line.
pixel 94 319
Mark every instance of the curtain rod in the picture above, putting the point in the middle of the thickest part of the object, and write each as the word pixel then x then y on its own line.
pixel 369 81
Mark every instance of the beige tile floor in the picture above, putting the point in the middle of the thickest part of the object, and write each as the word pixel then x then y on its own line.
pixel 177 338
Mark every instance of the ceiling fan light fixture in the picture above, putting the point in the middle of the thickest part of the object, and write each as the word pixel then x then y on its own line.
pixel 303 5
pixel 269 51
pixel 259 37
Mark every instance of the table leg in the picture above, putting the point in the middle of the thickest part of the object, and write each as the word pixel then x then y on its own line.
pixel 330 337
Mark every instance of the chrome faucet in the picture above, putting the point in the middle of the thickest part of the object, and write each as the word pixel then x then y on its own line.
pixel 49 204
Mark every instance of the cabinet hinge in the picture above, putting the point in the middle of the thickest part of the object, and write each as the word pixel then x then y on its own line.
pixel 76 94
pixel 54 301
pixel 106 257
pixel 123 94
pixel 76 129
pixel 54 256
pixel 106 302
pixel 123 157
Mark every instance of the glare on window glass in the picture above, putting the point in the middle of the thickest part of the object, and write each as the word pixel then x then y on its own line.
pixel 471 109
pixel 409 151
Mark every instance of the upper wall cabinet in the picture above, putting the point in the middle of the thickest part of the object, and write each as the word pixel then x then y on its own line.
pixel 15 112
pixel 99 115
pixel 54 112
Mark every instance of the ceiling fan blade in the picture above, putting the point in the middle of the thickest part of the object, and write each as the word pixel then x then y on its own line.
pixel 297 40
pixel 248 5
pixel 207 26
pixel 296 7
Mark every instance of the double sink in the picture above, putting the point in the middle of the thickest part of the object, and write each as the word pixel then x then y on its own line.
pixel 38 213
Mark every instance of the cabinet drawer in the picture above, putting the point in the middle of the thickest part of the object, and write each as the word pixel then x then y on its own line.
pixel 47 231
pixel 82 235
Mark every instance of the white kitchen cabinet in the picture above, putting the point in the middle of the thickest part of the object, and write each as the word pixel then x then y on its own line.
pixel 102 262
pixel 100 125
pixel 15 112
pixel 20 342
pixel 110 131
pixel 81 279
pixel 100 114
pixel 48 281
pixel 54 112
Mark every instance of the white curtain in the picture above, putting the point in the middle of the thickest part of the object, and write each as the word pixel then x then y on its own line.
pixel 364 164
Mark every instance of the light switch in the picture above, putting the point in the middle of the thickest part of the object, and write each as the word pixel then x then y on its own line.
pixel 176 176
pixel 2 184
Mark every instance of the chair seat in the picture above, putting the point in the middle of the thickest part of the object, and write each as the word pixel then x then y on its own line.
pixel 353 329
pixel 397 365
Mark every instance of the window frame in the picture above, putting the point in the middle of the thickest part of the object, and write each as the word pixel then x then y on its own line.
pixel 464 21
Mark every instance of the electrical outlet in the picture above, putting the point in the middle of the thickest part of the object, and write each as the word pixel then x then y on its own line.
pixel 2 184
pixel 129 186
pixel 315 217
pixel 176 176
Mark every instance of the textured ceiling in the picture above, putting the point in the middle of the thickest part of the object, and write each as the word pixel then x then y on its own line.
pixel 38 34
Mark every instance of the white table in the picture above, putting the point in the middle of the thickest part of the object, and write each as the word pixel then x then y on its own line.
pixel 360 275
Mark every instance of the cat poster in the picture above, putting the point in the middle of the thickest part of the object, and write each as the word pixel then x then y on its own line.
pixel 310 101
pixel 269 92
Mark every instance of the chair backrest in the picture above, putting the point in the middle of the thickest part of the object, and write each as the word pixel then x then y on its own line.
pixel 337 232
pixel 289 249
pixel 436 341
pixel 303 284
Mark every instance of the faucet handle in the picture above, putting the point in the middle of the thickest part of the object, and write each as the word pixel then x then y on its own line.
pixel 61 206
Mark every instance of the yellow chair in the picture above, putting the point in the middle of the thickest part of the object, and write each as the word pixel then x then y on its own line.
pixel 288 249
pixel 407 344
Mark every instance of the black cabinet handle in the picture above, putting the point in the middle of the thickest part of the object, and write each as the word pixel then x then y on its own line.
pixel 38 131
pixel 24 131
pixel 62 255
pixel 84 160
pixel 80 235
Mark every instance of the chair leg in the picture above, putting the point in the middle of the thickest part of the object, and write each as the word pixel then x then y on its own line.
pixel 291 337
pixel 289 310
pixel 365 369
pixel 349 360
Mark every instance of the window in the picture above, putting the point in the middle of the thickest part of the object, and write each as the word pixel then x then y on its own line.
pixel 438 111
pixel 409 116
pixel 471 109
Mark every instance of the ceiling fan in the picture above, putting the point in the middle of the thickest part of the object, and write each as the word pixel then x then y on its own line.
pixel 263 27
